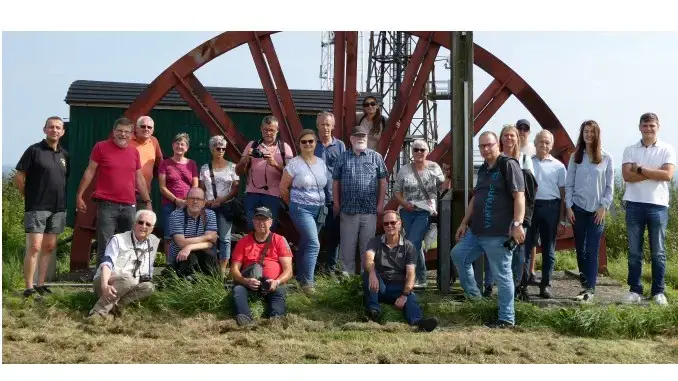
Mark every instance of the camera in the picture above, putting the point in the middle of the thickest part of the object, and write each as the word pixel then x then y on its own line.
pixel 510 244
pixel 256 153
pixel 144 278
pixel 265 286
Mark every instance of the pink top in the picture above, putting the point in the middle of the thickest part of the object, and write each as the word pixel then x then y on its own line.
pixel 261 174
pixel 178 177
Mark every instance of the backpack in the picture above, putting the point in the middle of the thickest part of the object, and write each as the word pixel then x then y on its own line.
pixel 530 187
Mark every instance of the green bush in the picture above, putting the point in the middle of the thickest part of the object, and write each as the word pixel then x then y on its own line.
pixel 13 237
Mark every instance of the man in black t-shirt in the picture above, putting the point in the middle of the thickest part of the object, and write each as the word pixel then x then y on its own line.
pixel 389 275
pixel 41 178
pixel 495 215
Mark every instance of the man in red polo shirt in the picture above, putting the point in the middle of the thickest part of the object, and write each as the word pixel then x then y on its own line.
pixel 118 166
pixel 266 262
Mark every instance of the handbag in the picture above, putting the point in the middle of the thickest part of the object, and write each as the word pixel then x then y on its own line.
pixel 322 214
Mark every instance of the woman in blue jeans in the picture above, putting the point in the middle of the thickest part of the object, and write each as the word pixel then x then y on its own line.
pixel 588 195
pixel 302 188
pixel 220 183
pixel 416 190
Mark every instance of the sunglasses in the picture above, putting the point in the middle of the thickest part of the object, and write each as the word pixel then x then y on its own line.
pixel 419 149
pixel 142 223
pixel 366 104
pixel 310 141
pixel 145 127
pixel 220 149
pixel 523 128
pixel 390 223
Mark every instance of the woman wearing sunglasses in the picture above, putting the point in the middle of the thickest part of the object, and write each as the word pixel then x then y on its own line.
pixel 416 190
pixel 371 118
pixel 306 176
pixel 220 183
pixel 176 176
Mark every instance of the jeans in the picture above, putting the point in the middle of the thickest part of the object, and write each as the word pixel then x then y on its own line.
pixel 224 232
pixel 656 217
pixel 416 225
pixel 304 218
pixel 167 210
pixel 587 236
pixel 255 200
pixel 332 238
pixel 469 249
pixel 545 223
pixel 388 293
pixel 274 306
pixel 111 218
pixel 517 266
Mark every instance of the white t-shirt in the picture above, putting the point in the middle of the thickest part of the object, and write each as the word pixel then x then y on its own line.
pixel 529 149
pixel 655 156
pixel 525 162
pixel 223 177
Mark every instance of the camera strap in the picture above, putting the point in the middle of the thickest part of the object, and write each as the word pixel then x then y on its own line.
pixel 148 249
pixel 266 247
pixel 214 184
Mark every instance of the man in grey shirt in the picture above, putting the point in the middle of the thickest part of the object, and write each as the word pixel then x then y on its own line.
pixel 495 214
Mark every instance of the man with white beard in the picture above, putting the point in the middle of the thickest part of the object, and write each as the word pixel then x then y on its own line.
pixel 358 191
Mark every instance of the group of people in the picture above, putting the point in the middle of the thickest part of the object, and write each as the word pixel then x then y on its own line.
pixel 340 192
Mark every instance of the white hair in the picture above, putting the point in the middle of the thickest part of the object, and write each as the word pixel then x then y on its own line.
pixel 420 143
pixel 217 141
pixel 544 132
pixel 141 119
pixel 151 213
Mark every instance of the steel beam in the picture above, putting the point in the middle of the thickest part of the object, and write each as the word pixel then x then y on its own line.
pixel 350 94
pixel 339 85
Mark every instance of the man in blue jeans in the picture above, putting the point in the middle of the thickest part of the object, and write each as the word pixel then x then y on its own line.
pixel 496 208
pixel 647 168
pixel 389 275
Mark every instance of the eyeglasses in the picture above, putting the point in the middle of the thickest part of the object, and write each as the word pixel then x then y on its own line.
pixel 486 146
pixel 123 132
pixel 390 223
pixel 220 149
pixel 310 141
pixel 146 127
pixel 419 149
pixel 194 199
pixel 142 223
pixel 267 131
pixel 367 104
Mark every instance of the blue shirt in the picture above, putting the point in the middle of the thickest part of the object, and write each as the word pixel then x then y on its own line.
pixel 589 185
pixel 194 227
pixel 308 181
pixel 359 176
pixel 330 155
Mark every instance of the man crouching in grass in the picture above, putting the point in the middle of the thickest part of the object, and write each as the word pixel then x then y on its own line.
pixel 125 273
pixel 389 275
pixel 266 262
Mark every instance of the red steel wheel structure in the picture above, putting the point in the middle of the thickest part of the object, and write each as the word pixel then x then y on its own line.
pixel 180 76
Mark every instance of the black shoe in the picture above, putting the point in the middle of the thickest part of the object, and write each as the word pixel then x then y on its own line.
pixel 544 293
pixel 375 316
pixel 427 324
pixel 499 324
pixel 43 290
pixel 521 294
pixel 532 280
pixel 487 292
pixel 29 292
pixel 243 320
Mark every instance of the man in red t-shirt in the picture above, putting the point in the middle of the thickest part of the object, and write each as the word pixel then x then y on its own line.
pixel 264 276
pixel 118 166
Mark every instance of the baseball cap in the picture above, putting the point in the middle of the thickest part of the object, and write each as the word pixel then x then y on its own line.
pixel 523 122
pixel 263 212
pixel 360 130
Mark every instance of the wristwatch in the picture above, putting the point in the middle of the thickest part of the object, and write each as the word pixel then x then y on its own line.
pixel 639 170
pixel 562 223
pixel 406 293
pixel 517 223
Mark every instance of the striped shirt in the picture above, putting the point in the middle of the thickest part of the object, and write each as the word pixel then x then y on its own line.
pixel 359 176
pixel 194 227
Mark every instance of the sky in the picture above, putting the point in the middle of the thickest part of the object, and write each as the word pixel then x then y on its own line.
pixel 611 77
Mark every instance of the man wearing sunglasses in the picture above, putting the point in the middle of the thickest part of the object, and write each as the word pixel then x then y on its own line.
pixel 389 275
pixel 125 273
pixel 150 153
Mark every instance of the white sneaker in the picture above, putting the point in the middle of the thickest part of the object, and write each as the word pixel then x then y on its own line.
pixel 660 299
pixel 632 298
pixel 585 296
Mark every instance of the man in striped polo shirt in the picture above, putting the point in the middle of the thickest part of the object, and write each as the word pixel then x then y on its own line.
pixel 194 233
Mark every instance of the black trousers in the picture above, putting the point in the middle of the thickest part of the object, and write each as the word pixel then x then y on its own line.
pixel 197 261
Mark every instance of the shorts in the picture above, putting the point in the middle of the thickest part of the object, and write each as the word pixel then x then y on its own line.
pixel 44 222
